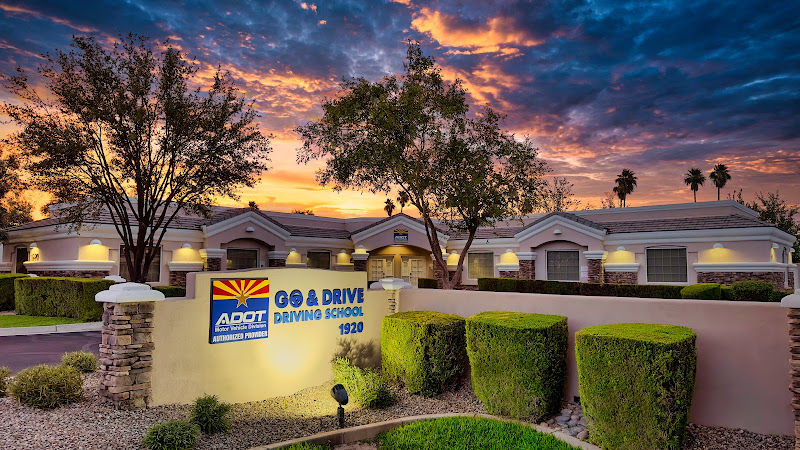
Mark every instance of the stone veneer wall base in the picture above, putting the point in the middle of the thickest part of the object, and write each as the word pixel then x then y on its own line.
pixel 622 277
pixel 728 278
pixel 794 368
pixel 71 273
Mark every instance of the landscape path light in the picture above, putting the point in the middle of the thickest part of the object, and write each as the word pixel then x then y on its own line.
pixel 339 393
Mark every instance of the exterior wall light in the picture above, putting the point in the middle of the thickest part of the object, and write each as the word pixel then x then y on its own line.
pixel 791 250
pixel 775 245
pixel 34 245
pixel 249 229
pixel 360 250
pixel 186 245
pixel 557 231
pixel 339 393
pixel 620 249
pixel 719 245
pixel 96 242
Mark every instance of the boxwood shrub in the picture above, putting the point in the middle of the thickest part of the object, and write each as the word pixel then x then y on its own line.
pixel 507 285
pixel 777 296
pixel 574 288
pixel 727 292
pixel 7 290
pixel 487 284
pixel 702 291
pixel 518 362
pixel 424 349
pixel 636 382
pixel 428 283
pixel 753 291
pixel 60 297
pixel 171 291
pixel 365 387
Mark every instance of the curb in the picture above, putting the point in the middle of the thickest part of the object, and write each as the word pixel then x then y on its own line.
pixel 52 329
pixel 369 431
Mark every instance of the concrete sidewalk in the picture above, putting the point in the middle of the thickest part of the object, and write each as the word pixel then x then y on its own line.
pixel 50 329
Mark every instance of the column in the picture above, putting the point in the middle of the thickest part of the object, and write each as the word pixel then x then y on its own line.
pixel 277 258
pixel 213 257
pixel 178 271
pixel 594 260
pixel 360 261
pixel 527 265
pixel 126 348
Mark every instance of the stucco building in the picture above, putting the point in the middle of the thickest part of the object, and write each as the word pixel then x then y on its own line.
pixel 667 244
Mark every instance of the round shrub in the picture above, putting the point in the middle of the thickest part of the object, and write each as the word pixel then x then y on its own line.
pixel 518 362
pixel 46 386
pixel 424 349
pixel 172 435
pixel 209 414
pixel 85 362
pixel 702 291
pixel 752 291
pixel 5 372
pixel 636 383
pixel 365 387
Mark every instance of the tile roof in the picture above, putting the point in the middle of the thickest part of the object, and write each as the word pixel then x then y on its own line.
pixel 390 218
pixel 327 233
pixel 568 216
pixel 684 224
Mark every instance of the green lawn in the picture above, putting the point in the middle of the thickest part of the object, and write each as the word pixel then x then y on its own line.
pixel 468 433
pixel 10 321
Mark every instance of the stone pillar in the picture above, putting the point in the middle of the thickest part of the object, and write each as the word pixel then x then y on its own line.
pixel 212 259
pixel 527 265
pixel 178 271
pixel 360 261
pixel 277 258
pixel 594 261
pixel 126 348
pixel 792 302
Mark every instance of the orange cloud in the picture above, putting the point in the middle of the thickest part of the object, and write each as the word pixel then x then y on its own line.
pixel 13 9
pixel 490 37
pixel 486 83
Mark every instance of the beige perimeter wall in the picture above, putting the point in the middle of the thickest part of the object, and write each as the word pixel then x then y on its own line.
pixel 294 356
pixel 742 347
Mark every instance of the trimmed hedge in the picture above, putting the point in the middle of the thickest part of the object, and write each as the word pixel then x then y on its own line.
pixel 777 296
pixel 365 387
pixel 753 291
pixel 7 290
pixel 702 291
pixel 575 288
pixel 636 382
pixel 171 291
pixel 727 292
pixel 518 362
pixel 428 283
pixel 60 297
pixel 424 349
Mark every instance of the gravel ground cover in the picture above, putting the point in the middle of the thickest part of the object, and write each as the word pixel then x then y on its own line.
pixel 93 424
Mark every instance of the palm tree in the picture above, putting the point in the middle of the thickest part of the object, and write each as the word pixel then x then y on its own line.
pixel 626 182
pixel 694 179
pixel 402 198
pixel 719 176
pixel 389 207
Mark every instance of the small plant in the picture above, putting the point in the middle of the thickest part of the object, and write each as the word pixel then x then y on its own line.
pixel 209 414
pixel 753 291
pixel 83 361
pixel 5 372
pixel 307 446
pixel 46 386
pixel 365 386
pixel 172 435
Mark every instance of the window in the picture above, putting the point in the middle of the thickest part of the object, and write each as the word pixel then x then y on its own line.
pixel 242 258
pixel 666 265
pixel 153 274
pixel 563 265
pixel 318 260
pixel 378 268
pixel 480 265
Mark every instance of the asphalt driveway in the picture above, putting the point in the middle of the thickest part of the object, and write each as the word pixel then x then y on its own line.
pixel 19 352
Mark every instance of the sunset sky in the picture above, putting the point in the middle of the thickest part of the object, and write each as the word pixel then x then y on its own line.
pixel 655 86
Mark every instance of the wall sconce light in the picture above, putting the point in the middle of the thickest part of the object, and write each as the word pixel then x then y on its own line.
pixel 292 250
pixel 249 229
pixel 775 245
pixel 791 250
pixel 34 245
pixel 342 251
pixel 718 245
pixel 557 231
pixel 186 245
pixel 620 249
pixel 96 242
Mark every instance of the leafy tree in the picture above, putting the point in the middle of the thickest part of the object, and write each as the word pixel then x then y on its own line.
pixel 626 183
pixel 773 209
pixel 412 132
pixel 719 176
pixel 389 206
pixel 14 210
pixel 402 199
pixel 694 179
pixel 557 195
pixel 306 212
pixel 252 205
pixel 120 130
pixel 608 201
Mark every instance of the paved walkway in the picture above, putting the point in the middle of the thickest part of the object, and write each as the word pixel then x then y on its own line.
pixel 21 351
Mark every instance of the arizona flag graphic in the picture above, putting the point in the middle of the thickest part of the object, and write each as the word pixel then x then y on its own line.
pixel 239 310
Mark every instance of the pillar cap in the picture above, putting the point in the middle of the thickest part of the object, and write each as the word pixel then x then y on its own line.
pixel 278 254
pixel 791 300
pixel 128 293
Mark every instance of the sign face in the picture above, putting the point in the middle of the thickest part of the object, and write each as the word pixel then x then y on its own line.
pixel 239 309
pixel 401 235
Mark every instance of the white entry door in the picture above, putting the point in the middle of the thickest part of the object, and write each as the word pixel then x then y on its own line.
pixel 413 270
pixel 380 268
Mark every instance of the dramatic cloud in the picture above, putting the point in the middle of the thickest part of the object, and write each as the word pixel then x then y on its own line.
pixel 654 86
